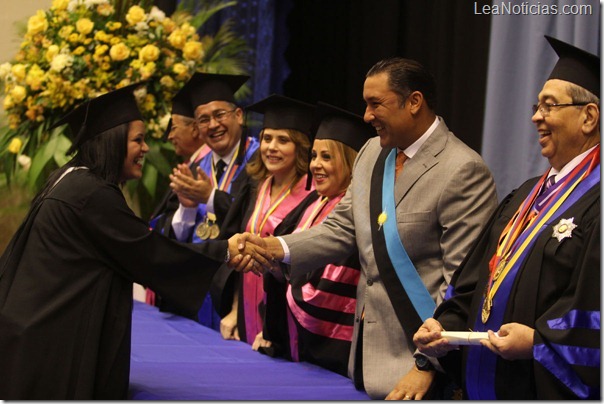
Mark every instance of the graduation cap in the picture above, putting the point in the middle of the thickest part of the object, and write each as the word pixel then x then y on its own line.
pixel 576 66
pixel 282 112
pixel 335 123
pixel 181 105
pixel 338 124
pixel 99 114
pixel 207 87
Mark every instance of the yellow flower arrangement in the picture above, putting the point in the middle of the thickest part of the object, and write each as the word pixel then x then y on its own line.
pixel 15 145
pixel 79 49
pixel 80 39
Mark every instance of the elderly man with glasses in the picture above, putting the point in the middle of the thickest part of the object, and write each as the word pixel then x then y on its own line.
pixel 531 284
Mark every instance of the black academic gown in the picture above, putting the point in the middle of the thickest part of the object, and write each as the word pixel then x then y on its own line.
pixel 161 218
pixel 330 353
pixel 222 288
pixel 66 291
pixel 557 278
pixel 227 219
pixel 223 285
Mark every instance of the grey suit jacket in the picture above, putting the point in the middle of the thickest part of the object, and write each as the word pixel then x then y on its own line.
pixel 444 195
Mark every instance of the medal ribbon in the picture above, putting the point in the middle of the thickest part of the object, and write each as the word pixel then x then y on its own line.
pixel 525 218
pixel 311 218
pixel 322 208
pixel 257 216
pixel 229 172
pixel 480 380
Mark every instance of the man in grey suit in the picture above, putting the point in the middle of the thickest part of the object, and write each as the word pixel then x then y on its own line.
pixel 436 207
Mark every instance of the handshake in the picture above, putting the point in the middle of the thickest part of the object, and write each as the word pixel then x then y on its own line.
pixel 249 252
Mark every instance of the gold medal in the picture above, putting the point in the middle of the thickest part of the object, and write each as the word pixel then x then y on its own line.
pixel 214 231
pixel 486 309
pixel 203 231
pixel 499 269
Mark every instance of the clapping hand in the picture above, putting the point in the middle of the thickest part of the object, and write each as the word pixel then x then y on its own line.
pixel 190 191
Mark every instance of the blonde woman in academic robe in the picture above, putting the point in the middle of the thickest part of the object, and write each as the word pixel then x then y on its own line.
pixel 280 171
pixel 317 321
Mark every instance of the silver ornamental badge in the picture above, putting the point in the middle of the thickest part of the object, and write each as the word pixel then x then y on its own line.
pixel 564 229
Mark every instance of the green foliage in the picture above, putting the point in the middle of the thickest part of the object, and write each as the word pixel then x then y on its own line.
pixel 70 55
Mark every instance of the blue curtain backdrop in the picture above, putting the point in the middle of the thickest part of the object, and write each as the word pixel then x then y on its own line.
pixel 489 68
pixel 520 60
pixel 320 50
pixel 262 23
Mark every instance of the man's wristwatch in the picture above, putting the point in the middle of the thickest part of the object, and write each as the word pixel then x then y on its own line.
pixel 423 363
pixel 227 257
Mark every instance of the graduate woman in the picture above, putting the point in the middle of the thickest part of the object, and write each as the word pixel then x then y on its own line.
pixel 66 276
pixel 279 169
pixel 317 325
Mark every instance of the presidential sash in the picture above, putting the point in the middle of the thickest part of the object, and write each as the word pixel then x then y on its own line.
pixel 406 291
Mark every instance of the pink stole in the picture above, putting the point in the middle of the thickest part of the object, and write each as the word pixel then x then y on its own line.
pixel 252 287
pixel 201 153
pixel 314 215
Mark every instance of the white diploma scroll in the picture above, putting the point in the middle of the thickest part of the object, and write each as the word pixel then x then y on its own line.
pixel 464 337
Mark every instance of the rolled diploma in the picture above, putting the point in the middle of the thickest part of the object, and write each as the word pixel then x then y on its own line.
pixel 464 337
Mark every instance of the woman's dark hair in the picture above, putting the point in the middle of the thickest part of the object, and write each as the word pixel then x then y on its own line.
pixel 406 76
pixel 103 155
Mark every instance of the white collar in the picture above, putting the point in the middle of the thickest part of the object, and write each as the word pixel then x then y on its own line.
pixel 227 159
pixel 569 166
pixel 412 150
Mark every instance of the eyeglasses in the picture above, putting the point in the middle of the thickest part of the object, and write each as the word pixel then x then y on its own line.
pixel 544 108
pixel 219 116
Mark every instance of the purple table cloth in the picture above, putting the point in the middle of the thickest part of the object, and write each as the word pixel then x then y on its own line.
pixel 174 358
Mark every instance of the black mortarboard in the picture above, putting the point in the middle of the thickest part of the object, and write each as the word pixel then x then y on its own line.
pixel 282 112
pixel 335 123
pixel 100 114
pixel 207 87
pixel 576 66
pixel 331 122
pixel 181 105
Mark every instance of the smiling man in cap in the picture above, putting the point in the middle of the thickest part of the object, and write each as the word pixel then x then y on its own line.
pixel 532 281
pixel 207 192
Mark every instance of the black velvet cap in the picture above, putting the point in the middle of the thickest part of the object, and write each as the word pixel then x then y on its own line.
pixel 207 87
pixel 338 124
pixel 181 105
pixel 282 112
pixel 99 114
pixel 576 66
